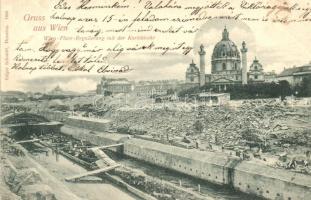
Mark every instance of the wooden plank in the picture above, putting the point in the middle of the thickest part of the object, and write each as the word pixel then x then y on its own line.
pixel 13 125
pixel 107 146
pixel 26 141
pixel 94 172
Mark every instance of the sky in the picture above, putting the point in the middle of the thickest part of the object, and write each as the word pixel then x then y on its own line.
pixel 263 42
pixel 276 46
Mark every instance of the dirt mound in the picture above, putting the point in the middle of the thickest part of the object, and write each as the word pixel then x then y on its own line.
pixel 37 192
pixel 26 177
pixel 5 192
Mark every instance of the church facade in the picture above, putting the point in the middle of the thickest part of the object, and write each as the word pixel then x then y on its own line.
pixel 228 66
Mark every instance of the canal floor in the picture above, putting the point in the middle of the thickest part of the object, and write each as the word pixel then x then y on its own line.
pixel 91 190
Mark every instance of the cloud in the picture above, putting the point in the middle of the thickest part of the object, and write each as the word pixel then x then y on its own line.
pixel 275 52
pixel 275 45
pixel 154 66
pixel 147 66
pixel 79 85
pixel 71 83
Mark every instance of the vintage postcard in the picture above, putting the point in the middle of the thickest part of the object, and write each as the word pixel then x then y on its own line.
pixel 155 99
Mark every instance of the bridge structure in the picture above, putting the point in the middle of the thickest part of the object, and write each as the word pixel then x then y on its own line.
pixel 105 163
pixel 22 118
pixel 25 123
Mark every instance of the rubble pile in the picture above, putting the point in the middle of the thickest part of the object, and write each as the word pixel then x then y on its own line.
pixel 265 124
pixel 24 176
pixel 5 193
pixel 27 183
pixel 23 181
pixel 222 122
pixel 36 192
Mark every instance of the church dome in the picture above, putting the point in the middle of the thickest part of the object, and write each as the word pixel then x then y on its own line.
pixel 225 48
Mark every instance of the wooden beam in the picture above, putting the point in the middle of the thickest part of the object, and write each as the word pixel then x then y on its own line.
pixel 26 141
pixel 105 147
pixel 94 172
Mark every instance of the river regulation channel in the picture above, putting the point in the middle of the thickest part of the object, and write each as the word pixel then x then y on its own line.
pixel 61 168
pixel 89 188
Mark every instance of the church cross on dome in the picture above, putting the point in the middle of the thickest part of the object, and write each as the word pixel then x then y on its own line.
pixel 225 34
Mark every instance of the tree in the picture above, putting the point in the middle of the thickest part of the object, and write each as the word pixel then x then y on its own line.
pixel 170 91
pixel 107 93
pixel 189 92
pixel 198 126
pixel 285 89
pixel 306 87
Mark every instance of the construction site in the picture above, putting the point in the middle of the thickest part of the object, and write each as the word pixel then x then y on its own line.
pixel 123 148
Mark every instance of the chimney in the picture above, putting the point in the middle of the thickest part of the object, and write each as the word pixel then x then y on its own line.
pixel 202 65
pixel 244 63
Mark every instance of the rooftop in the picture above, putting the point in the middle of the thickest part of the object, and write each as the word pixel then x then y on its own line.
pixel 295 70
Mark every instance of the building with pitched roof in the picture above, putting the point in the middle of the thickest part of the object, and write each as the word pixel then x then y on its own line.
pixel 295 75
pixel 120 85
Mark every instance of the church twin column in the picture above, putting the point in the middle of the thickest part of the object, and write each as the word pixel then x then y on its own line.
pixel 202 65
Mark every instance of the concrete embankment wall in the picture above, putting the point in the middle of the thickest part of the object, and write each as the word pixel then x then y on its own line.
pixel 88 123
pixel 54 115
pixel 95 137
pixel 205 165
pixel 248 177
pixel 271 183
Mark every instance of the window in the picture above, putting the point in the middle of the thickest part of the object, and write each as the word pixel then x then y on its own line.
pixel 256 68
pixel 256 76
pixel 191 79
pixel 223 66
pixel 235 66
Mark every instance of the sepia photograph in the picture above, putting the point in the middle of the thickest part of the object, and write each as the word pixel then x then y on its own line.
pixel 155 100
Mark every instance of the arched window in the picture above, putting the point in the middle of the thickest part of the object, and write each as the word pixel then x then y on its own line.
pixel 224 66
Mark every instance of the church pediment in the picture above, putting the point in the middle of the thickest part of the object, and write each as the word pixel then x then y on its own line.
pixel 222 80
